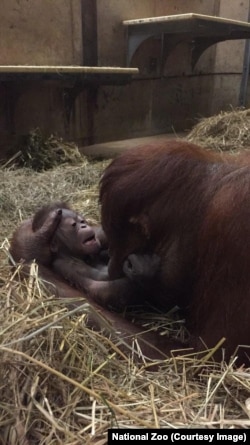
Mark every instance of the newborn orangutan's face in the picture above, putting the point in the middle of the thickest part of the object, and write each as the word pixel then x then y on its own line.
pixel 74 235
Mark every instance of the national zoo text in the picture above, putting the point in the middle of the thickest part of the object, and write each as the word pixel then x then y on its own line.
pixel 176 436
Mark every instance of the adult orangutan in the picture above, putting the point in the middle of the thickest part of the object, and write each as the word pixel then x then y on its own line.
pixel 191 207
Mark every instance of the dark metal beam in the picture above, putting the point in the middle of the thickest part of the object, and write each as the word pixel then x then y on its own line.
pixel 89 32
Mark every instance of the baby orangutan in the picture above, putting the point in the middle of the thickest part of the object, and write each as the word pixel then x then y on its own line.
pixel 68 249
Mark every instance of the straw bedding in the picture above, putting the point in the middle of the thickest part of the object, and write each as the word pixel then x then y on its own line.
pixel 227 131
pixel 62 383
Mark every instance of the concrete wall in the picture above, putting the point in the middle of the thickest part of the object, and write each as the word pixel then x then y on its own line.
pixel 51 32
pixel 40 32
pixel 228 62
pixel 172 102
pixel 113 12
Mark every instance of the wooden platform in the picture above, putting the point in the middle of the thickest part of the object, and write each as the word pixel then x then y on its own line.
pixel 199 29
pixel 112 149
pixel 88 74
pixel 181 19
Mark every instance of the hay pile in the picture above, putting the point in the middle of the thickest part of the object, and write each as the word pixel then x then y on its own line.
pixel 227 131
pixel 39 153
pixel 62 383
